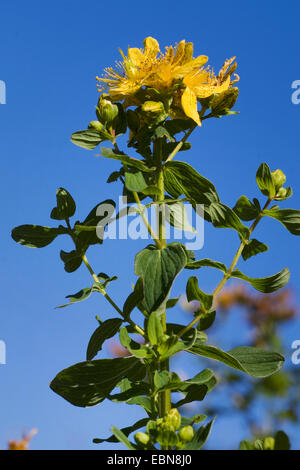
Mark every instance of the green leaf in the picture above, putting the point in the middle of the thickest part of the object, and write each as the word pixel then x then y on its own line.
pixel 282 441
pixel 158 269
pixel 36 236
pixel 254 247
pixel 135 181
pixel 89 383
pixel 265 181
pixel 91 230
pixel 83 294
pixel 181 178
pixel 194 293
pixel 122 438
pixel 206 320
pixel 245 209
pixel 66 206
pixel 196 419
pixel 252 361
pixel 72 260
pixel 89 138
pixel 134 299
pixel 200 437
pixel 265 284
pixel 196 389
pixel 106 330
pixel 206 263
pixel 172 302
pixel 154 329
pixel 175 126
pixel 128 430
pixel 136 349
pixel 177 217
pixel 131 162
pixel 224 217
pixel 290 218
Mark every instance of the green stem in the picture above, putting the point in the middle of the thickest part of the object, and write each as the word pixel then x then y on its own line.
pixel 180 144
pixel 227 275
pixel 137 328
pixel 145 220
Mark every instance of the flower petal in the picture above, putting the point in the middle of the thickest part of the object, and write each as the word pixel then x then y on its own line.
pixel 189 105
pixel 151 47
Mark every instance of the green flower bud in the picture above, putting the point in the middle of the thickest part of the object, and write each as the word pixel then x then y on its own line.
pixel 142 438
pixel 106 111
pixel 96 125
pixel 269 443
pixel 282 192
pixel 173 419
pixel 279 179
pixel 186 434
pixel 153 110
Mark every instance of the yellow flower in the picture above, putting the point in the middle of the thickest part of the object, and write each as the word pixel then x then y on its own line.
pixel 203 83
pixel 176 73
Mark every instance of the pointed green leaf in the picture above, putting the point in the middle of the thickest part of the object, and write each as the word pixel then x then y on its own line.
pixel 245 209
pixel 72 260
pixel 265 181
pixel 154 329
pixel 206 263
pixel 136 349
pixel 135 181
pixel 265 284
pixel 128 430
pixel 252 361
pixel 122 438
pixel 224 217
pixel 290 218
pixel 200 437
pixel 254 247
pixel 66 206
pixel 194 293
pixel 131 162
pixel 106 330
pixel 177 217
pixel 88 383
pixel 158 269
pixel 36 236
pixel 89 138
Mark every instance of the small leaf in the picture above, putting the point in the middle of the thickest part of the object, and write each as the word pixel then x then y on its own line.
pixel 265 181
pixel 122 438
pixel 66 206
pixel 72 260
pixel 200 437
pixel 89 138
pixel 154 329
pixel 106 330
pixel 136 349
pixel 177 217
pixel 254 247
pixel 83 294
pixel 245 210
pixel 290 218
pixel 36 236
pixel 206 320
pixel 265 284
pixel 131 162
pixel 206 263
pixel 135 181
pixel 134 299
pixel 224 217
pixel 128 430
pixel 194 293
pixel 172 302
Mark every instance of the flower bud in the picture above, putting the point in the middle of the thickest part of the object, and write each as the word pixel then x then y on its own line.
pixel 186 434
pixel 279 179
pixel 173 418
pixel 281 193
pixel 96 125
pixel 269 443
pixel 142 438
pixel 106 111
pixel 153 109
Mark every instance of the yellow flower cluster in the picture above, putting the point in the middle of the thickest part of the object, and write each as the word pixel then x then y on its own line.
pixel 176 72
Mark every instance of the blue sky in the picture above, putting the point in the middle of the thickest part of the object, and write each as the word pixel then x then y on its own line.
pixel 50 55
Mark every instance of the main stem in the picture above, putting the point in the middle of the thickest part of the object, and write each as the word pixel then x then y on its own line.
pixel 164 398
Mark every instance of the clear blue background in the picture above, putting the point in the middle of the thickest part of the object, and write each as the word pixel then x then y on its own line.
pixel 50 54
